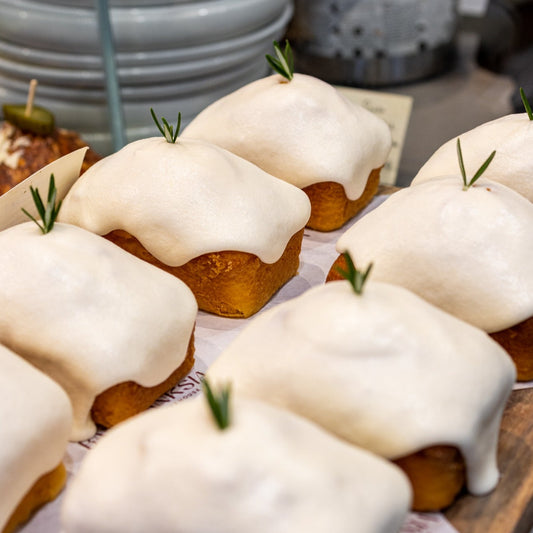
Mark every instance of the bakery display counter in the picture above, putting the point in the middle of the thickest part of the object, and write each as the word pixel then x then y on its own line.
pixel 446 105
pixel 469 95
pixel 506 510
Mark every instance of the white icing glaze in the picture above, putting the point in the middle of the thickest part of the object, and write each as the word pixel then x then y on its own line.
pixel 303 131
pixel 511 136
pixel 9 150
pixel 36 415
pixel 468 252
pixel 269 472
pixel 186 199
pixel 90 314
pixel 386 371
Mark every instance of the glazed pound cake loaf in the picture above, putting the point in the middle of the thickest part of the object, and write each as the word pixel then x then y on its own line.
pixel 229 230
pixel 386 371
pixel 112 330
pixel 467 251
pixel 268 471
pixel 36 419
pixel 305 132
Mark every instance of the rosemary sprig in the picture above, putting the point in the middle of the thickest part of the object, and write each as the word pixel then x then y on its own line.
pixel 219 404
pixel 166 129
pixel 526 104
pixel 49 213
pixel 357 278
pixel 481 169
pixel 284 62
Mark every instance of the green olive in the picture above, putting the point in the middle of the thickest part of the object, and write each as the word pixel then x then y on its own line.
pixel 39 121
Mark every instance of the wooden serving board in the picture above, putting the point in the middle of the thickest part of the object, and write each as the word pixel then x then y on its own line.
pixel 509 508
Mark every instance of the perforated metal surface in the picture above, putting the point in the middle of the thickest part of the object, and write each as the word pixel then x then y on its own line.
pixel 383 40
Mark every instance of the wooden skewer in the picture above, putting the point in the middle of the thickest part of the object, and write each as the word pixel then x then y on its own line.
pixel 31 96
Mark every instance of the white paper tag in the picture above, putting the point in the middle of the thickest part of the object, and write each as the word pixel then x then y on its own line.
pixel 395 110
pixel 189 386
pixel 66 171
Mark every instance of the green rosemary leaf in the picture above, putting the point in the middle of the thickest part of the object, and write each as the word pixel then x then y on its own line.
pixel 157 122
pixel 362 276
pixel 275 66
pixel 37 201
pixel 289 57
pixel 50 203
pixel 283 63
pixel 467 184
pixel 52 191
pixel 33 218
pixel 461 162
pixel 281 58
pixel 350 273
pixel 167 130
pixel 526 104
pixel 178 126
pixel 357 278
pixel 219 404
pixel 482 168
pixel 49 213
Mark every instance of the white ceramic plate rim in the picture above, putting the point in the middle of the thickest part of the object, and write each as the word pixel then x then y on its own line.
pixel 26 54
pixel 57 28
pixel 48 96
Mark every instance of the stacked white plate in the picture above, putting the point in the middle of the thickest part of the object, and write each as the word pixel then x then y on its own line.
pixel 174 56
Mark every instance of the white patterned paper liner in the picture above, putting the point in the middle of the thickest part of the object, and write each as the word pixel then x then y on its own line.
pixel 427 523
pixel 187 387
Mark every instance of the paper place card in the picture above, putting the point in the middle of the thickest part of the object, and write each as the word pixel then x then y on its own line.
pixel 66 171
pixel 395 110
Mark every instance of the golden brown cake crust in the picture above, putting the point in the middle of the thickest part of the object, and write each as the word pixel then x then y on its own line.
pixel 231 284
pixel 330 207
pixel 39 151
pixel 518 342
pixel 333 274
pixel 45 489
pixel 437 475
pixel 127 399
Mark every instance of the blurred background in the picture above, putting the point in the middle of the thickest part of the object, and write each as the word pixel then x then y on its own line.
pixel 462 61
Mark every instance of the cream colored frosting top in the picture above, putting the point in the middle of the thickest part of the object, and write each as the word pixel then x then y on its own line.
pixel 385 370
pixel 90 314
pixel 36 416
pixel 468 252
pixel 303 131
pixel 270 472
pixel 186 199
pixel 511 136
